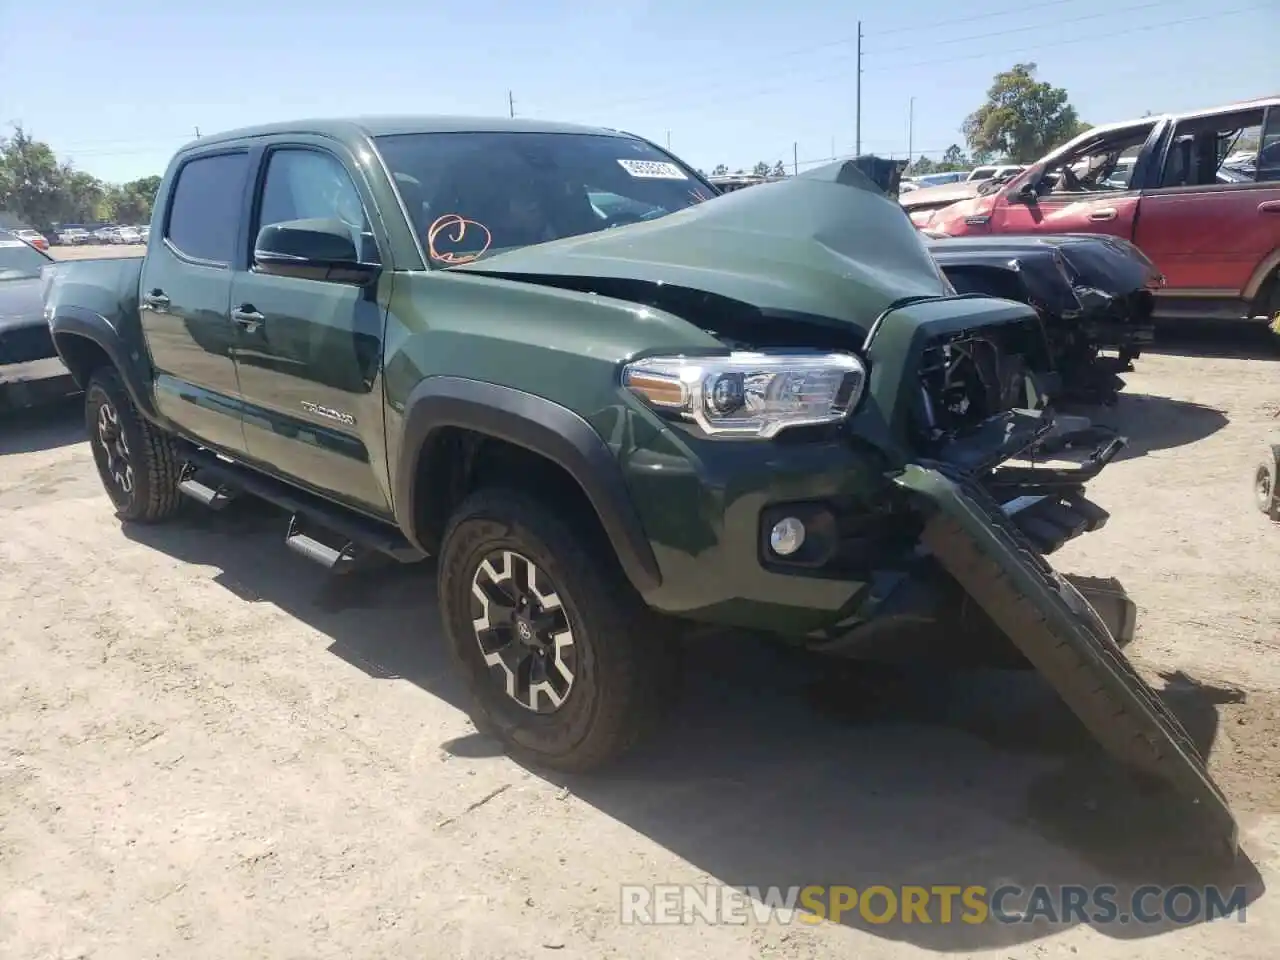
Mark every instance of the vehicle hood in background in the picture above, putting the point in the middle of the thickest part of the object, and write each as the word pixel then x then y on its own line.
pixel 20 303
pixel 941 195
pixel 825 244
pixel 1066 274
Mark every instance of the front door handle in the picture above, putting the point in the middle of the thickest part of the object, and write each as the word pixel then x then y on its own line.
pixel 1106 213
pixel 247 317
pixel 1269 206
pixel 156 300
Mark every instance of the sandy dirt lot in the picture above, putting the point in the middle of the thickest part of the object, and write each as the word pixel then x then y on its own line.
pixel 90 250
pixel 209 749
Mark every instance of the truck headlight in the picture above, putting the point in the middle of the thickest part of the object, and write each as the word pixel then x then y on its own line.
pixel 751 394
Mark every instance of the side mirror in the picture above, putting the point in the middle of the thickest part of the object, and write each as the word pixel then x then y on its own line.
pixel 311 250
pixel 1029 191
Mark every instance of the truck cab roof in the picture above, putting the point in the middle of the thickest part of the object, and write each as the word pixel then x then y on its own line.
pixel 349 128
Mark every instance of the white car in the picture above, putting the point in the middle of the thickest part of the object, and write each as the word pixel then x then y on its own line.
pixel 991 171
pixel 127 235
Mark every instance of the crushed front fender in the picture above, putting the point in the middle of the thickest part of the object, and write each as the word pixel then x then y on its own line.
pixel 1063 637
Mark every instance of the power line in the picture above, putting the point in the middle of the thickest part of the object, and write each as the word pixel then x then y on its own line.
pixel 1001 51
pixel 1010 11
pixel 845 41
pixel 1090 37
pixel 1035 26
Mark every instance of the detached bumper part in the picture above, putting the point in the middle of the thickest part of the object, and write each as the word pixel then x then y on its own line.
pixel 1064 638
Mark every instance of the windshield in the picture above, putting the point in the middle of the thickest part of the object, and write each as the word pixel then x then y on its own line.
pixel 475 194
pixel 19 260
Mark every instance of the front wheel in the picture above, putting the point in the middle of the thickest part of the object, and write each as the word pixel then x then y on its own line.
pixel 565 664
pixel 137 463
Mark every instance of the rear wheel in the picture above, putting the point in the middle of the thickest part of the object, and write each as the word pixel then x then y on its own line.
pixel 565 664
pixel 137 463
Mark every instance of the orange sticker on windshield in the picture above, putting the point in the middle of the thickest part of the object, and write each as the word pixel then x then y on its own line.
pixel 436 234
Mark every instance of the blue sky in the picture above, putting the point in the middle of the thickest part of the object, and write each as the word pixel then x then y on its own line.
pixel 117 86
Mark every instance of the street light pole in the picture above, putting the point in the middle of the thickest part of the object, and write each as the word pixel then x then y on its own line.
pixel 911 128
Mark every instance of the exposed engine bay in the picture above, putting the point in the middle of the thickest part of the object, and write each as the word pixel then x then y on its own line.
pixel 986 411
pixel 974 377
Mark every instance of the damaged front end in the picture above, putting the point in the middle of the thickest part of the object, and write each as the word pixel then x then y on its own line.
pixel 959 404
pixel 927 507
pixel 1095 295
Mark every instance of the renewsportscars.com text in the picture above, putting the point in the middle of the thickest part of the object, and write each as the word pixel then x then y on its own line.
pixel 937 904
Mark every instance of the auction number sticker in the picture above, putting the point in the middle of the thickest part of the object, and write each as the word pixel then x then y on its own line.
pixel 653 170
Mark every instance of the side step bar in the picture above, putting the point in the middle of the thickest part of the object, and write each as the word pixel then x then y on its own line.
pixel 211 480
pixel 339 561
pixel 215 498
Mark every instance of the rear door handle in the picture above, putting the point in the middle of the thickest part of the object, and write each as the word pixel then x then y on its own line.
pixel 156 300
pixel 1269 206
pixel 1106 213
pixel 247 317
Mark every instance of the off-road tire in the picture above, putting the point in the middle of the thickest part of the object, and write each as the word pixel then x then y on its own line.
pixel 153 455
pixel 1266 494
pixel 627 658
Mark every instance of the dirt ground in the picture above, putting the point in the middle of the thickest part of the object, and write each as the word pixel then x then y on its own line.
pixel 90 250
pixel 209 749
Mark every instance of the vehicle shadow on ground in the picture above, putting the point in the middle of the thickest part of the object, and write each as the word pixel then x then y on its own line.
pixel 1232 341
pixel 779 769
pixel 45 427
pixel 1151 423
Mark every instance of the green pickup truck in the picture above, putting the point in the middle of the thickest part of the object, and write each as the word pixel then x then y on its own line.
pixel 612 404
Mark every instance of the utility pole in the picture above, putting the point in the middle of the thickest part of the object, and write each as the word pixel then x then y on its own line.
pixel 795 158
pixel 197 133
pixel 911 128
pixel 668 139
pixel 857 148
pixel 511 102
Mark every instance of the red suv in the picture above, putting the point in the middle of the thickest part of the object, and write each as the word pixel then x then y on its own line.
pixel 1199 193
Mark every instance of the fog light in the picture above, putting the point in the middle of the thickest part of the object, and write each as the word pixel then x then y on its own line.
pixel 787 536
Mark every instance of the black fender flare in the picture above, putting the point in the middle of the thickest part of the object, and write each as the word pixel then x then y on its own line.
pixel 538 425
pixel 75 322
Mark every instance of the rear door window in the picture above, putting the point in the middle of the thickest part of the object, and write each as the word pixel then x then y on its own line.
pixel 204 214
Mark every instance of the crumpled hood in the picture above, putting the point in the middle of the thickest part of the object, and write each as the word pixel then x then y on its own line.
pixel 827 243
pixel 20 303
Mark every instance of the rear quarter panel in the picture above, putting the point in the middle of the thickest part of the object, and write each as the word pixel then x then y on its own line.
pixel 106 288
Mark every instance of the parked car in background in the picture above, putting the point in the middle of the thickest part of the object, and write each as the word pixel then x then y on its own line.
pixel 144 232
pixel 127 235
pixel 937 179
pixel 34 237
pixel 1213 230
pixel 74 236
pixel 105 234
pixel 30 369
pixel 994 171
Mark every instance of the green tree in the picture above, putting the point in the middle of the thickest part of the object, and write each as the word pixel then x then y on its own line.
pixel 84 196
pixel 1023 118
pixel 920 166
pixel 32 180
pixel 954 158
pixel 761 169
pixel 720 170
pixel 779 169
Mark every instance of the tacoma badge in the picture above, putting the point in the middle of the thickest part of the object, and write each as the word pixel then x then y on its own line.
pixel 329 413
